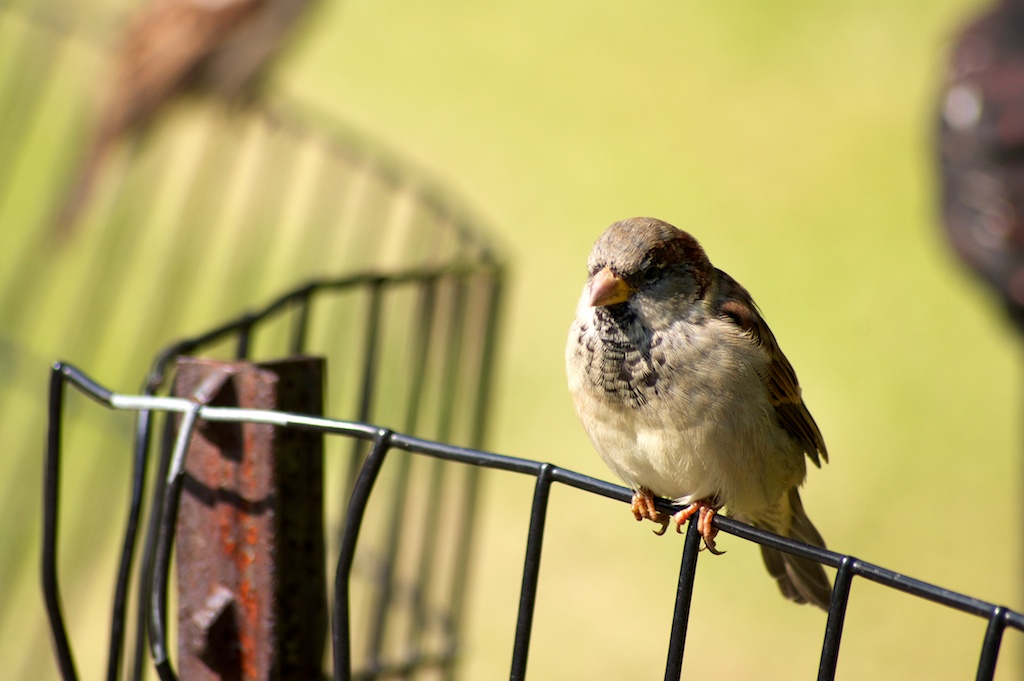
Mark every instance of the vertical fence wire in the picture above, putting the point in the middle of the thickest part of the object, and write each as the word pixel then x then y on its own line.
pixel 51 513
pixel 140 462
pixel 684 596
pixel 836 619
pixel 358 501
pixel 164 541
pixel 531 573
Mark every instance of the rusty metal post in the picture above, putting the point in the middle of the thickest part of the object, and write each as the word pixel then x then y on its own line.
pixel 249 544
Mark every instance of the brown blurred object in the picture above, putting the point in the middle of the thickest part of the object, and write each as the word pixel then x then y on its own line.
pixel 174 47
pixel 981 144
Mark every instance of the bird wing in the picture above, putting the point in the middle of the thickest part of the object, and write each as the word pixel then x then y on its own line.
pixel 737 306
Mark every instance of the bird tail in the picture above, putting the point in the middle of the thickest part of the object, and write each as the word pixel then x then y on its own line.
pixel 799 579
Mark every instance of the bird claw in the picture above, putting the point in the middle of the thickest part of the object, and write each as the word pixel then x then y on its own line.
pixel 705 512
pixel 643 508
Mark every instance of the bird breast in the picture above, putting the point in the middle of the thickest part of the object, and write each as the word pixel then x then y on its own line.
pixel 682 410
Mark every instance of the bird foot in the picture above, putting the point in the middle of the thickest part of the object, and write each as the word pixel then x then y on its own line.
pixel 705 511
pixel 643 508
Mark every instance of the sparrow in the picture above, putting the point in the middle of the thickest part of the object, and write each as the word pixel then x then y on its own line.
pixel 685 394
pixel 171 48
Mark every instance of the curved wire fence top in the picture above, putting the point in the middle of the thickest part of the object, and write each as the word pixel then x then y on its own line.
pixel 387 443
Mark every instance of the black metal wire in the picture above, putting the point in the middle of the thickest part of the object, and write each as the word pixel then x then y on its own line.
pixel 157 601
pixel 51 502
pixel 430 553
pixel 388 562
pixel 990 646
pixel 244 337
pixel 152 535
pixel 400 498
pixel 138 479
pixel 242 328
pixel 836 619
pixel 531 573
pixel 998 617
pixel 494 297
pixel 460 575
pixel 371 331
pixel 300 324
pixel 159 371
pixel 60 375
pixel 684 594
pixel 341 638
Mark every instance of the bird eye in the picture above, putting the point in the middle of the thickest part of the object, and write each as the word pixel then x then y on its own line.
pixel 649 275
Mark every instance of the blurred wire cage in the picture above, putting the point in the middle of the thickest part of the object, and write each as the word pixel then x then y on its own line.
pixel 221 209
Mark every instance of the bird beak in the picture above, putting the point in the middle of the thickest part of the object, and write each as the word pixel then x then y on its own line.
pixel 608 288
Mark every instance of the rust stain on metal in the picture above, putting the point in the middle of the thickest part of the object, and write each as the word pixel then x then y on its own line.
pixel 250 529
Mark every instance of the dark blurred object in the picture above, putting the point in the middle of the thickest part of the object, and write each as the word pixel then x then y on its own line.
pixel 174 47
pixel 981 144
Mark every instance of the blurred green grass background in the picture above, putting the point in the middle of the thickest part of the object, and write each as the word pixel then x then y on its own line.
pixel 795 141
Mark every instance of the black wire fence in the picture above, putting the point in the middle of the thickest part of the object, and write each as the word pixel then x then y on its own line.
pixel 443 340
pixel 386 445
